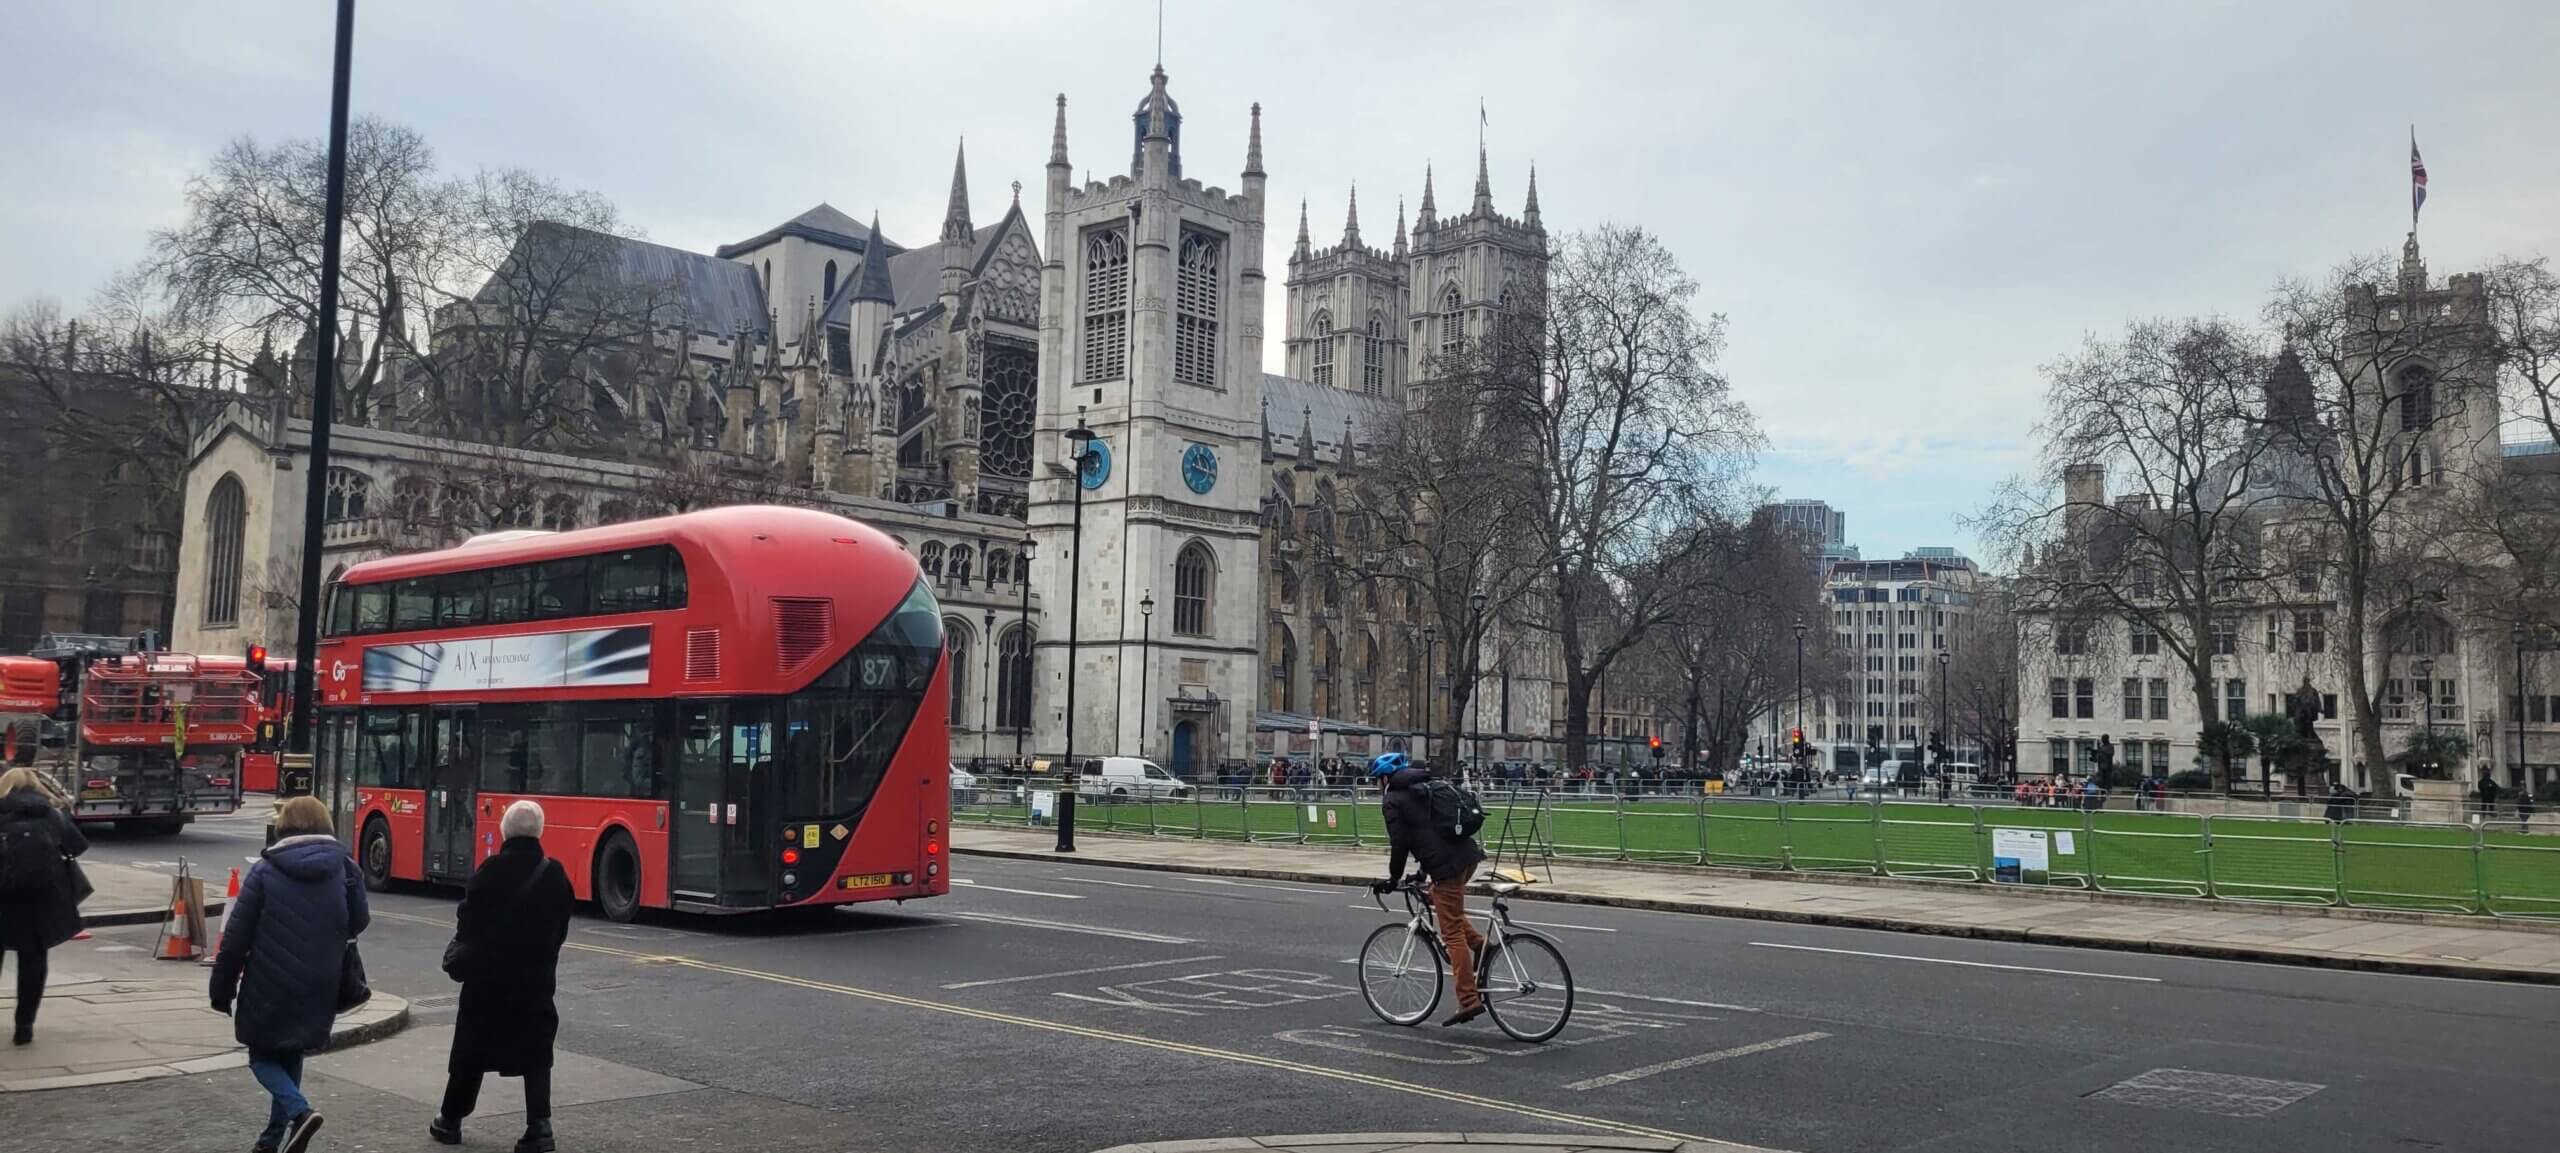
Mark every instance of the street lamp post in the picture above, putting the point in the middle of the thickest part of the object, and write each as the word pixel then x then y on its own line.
pixel 986 690
pixel 1022 715
pixel 1430 697
pixel 1946 735
pixel 2516 634
pixel 1475 659
pixel 1798 727
pixel 1069 777
pixel 324 386
pixel 1146 637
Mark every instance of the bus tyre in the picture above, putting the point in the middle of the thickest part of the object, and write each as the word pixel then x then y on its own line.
pixel 617 879
pixel 374 854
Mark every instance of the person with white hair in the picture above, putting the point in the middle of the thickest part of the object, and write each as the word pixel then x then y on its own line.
pixel 506 952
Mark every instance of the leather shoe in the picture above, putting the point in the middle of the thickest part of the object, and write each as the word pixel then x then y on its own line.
pixel 1464 1014
pixel 445 1131
pixel 536 1139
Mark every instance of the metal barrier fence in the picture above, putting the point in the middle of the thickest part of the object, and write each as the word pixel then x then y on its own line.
pixel 2466 868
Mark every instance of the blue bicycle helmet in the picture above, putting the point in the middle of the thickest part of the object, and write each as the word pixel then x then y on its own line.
pixel 1387 763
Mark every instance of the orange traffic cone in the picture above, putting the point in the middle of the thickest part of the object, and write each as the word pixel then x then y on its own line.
pixel 213 931
pixel 176 944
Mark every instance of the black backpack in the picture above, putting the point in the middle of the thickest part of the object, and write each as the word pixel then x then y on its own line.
pixel 1454 808
pixel 30 858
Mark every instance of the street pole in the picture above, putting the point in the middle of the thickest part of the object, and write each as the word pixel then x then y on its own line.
pixel 1431 695
pixel 324 399
pixel 986 690
pixel 2426 670
pixel 1946 736
pixel 2516 634
pixel 1069 775
pixel 1475 661
pixel 1146 637
pixel 1022 716
pixel 1798 727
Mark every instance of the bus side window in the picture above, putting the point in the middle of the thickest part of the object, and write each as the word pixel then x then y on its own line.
pixel 674 583
pixel 559 589
pixel 462 598
pixel 628 582
pixel 506 746
pixel 508 588
pixel 373 608
pixel 342 609
pixel 617 751
pixel 413 604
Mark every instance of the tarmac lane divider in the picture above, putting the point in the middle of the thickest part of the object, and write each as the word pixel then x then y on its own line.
pixel 1138 1040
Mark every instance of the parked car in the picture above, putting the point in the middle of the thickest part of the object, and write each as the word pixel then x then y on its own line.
pixel 1131 779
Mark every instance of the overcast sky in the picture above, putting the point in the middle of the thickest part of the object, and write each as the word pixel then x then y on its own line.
pixel 1905 208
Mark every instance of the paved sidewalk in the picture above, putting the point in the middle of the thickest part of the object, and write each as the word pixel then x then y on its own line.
pixel 1435 1143
pixel 129 896
pixel 2433 945
pixel 112 1016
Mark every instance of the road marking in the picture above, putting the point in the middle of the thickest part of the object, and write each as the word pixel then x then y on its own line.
pixel 1947 961
pixel 1068 927
pixel 1077 972
pixel 1088 1032
pixel 1671 1000
pixel 1690 1062
pixel 1253 885
pixel 1023 892
pixel 1554 925
pixel 1100 881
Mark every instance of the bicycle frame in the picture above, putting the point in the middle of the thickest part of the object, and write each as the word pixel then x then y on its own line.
pixel 1425 924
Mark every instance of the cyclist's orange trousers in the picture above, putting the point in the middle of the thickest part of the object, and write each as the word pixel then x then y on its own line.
pixel 1449 907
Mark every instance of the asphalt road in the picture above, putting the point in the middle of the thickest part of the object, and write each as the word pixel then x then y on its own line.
pixel 1062 1007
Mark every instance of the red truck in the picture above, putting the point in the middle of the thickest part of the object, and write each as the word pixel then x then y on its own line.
pixel 146 739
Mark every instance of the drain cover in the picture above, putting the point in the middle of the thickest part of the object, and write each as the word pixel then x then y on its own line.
pixel 2221 1094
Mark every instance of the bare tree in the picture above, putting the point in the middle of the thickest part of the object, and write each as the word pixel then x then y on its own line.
pixel 1978 693
pixel 1637 434
pixel 1726 652
pixel 2400 379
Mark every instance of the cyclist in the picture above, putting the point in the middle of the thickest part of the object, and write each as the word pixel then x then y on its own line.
pixel 1445 856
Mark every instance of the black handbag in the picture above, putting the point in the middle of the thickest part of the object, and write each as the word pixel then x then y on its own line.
pixel 457 959
pixel 353 989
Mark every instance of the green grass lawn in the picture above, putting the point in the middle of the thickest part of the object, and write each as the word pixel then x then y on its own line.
pixel 2266 859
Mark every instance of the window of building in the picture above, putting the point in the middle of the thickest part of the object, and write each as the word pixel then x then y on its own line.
pixel 2310 631
pixel 2306 576
pixel 2142 639
pixel 1195 312
pixel 2133 698
pixel 1373 359
pixel 2061 697
pixel 1106 303
pixel 2057 756
pixel 2159 699
pixel 1013 679
pixel 2226 636
pixel 2071 639
pixel 2235 700
pixel 1192 574
pixel 830 292
pixel 2417 398
pixel 1906 641
pixel 226 516
pixel 348 493
pixel 559 512
pixel 2084 698
pixel 1453 323
pixel 956 638
pixel 1875 640
pixel 1322 334
pixel 2159 758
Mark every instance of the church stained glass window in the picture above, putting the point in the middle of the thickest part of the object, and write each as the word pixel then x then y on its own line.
pixel 1011 409
pixel 1323 329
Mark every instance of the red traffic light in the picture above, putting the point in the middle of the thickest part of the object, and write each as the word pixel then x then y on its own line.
pixel 257 658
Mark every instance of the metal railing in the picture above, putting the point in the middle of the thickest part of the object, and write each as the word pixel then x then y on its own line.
pixel 2471 868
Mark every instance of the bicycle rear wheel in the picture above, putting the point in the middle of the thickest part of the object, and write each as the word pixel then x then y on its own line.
pixel 1400 974
pixel 1528 988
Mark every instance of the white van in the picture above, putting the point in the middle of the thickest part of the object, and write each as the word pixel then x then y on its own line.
pixel 1129 779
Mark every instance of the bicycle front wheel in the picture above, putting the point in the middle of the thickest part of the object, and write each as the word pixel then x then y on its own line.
pixel 1400 974
pixel 1527 987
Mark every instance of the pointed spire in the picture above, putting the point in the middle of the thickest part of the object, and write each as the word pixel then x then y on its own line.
pixel 1253 144
pixel 810 334
pixel 1348 464
pixel 1306 438
pixel 874 283
pixel 1429 211
pixel 1529 212
pixel 1351 223
pixel 1399 227
pixel 1058 135
pixel 772 338
pixel 1483 205
pixel 955 219
pixel 1302 228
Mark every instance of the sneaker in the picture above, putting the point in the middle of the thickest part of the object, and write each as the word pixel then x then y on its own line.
pixel 445 1132
pixel 299 1132
pixel 536 1139
pixel 1464 1014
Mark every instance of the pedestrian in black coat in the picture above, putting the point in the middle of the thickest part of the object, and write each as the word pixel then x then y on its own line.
pixel 284 946
pixel 506 952
pixel 45 910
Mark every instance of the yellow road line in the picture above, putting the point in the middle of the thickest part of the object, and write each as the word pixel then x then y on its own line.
pixel 1375 1082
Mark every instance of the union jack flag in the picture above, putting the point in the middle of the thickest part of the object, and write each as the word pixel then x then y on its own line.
pixel 2417 179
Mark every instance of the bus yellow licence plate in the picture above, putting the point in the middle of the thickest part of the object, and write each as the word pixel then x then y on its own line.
pixel 864 881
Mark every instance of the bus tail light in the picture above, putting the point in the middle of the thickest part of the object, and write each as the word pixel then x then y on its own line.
pixel 932 827
pixel 933 848
pixel 933 870
pixel 791 856
pixel 97 783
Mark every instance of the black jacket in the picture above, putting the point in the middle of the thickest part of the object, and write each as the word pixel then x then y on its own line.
pixel 1410 830
pixel 48 920
pixel 506 953
pixel 284 943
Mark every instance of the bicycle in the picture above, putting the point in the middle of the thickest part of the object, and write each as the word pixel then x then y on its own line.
pixel 1527 987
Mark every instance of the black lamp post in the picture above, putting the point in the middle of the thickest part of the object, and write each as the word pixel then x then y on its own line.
pixel 1797 730
pixel 1475 658
pixel 1146 637
pixel 1431 696
pixel 1022 714
pixel 2426 670
pixel 2516 635
pixel 986 690
pixel 1946 735
pixel 1070 777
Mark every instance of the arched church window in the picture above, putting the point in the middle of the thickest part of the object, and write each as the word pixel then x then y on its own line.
pixel 1322 330
pixel 929 558
pixel 1284 670
pixel 830 292
pixel 559 512
pixel 1011 409
pixel 1013 679
pixel 1373 358
pixel 1195 308
pixel 1106 303
pixel 1194 573
pixel 962 559
pixel 2417 398
pixel 226 517
pixel 1453 324
pixel 348 490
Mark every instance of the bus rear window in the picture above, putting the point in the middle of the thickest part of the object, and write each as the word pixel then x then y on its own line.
pixel 637 581
pixel 342 609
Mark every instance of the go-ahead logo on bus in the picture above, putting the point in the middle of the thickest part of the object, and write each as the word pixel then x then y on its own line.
pixel 541 660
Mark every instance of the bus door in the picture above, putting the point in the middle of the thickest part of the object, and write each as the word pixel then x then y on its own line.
pixel 453 774
pixel 748 818
pixel 696 838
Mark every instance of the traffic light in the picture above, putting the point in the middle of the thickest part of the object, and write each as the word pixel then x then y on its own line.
pixel 257 658
pixel 1657 748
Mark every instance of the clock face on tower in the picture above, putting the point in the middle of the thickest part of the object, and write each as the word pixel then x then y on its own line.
pixel 1200 468
pixel 1097 464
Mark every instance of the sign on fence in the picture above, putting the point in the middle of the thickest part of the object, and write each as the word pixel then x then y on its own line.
pixel 2019 856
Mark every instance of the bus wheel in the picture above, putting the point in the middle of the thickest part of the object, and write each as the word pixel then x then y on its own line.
pixel 375 857
pixel 617 880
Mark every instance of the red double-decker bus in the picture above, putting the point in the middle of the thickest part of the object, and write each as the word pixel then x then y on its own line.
pixel 735 709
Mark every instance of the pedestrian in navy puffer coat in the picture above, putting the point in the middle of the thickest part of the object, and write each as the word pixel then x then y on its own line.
pixel 283 949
